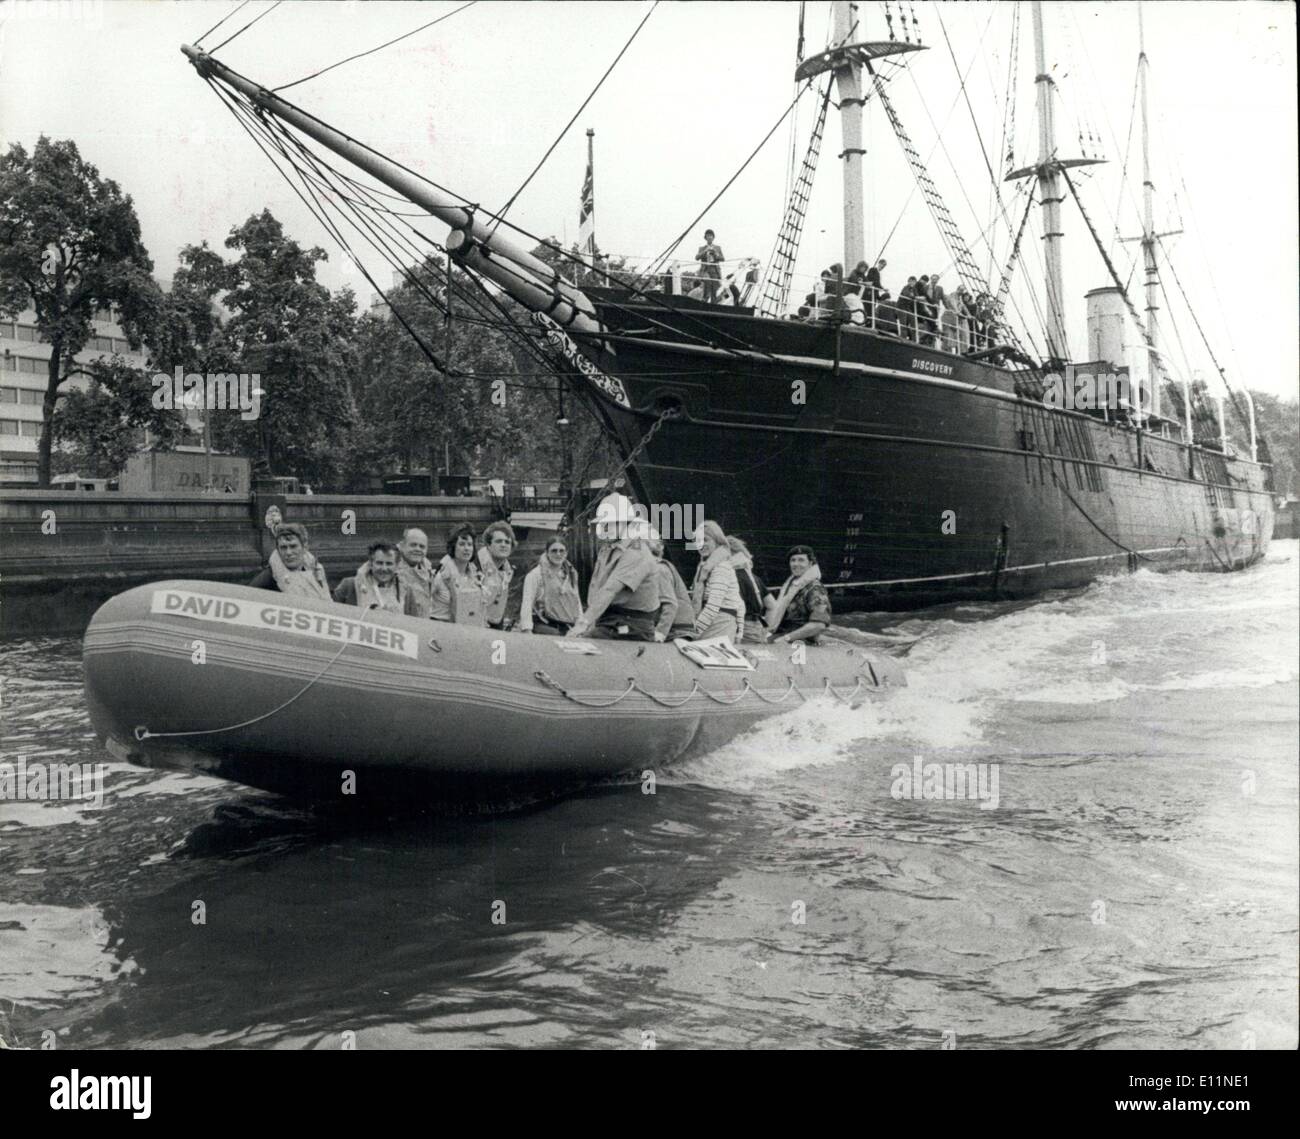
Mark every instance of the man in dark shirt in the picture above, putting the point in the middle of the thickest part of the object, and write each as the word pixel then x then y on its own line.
pixel 801 611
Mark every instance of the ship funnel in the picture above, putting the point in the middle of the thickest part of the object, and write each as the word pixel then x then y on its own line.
pixel 1106 326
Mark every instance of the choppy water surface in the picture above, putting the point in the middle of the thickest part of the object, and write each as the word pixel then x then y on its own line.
pixel 1134 887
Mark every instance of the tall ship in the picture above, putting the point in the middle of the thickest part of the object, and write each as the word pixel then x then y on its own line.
pixel 931 445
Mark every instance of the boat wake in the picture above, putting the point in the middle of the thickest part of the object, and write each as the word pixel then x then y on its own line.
pixel 1136 636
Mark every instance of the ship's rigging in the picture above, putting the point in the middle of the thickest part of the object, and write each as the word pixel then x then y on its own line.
pixel 334 197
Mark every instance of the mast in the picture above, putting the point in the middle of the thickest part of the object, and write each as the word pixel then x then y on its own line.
pixel 1149 231
pixel 848 85
pixel 1049 193
pixel 845 58
pixel 1048 172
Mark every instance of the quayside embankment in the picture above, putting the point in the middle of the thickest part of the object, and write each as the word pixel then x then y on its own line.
pixel 63 553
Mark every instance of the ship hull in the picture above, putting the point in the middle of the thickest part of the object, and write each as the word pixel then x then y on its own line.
pixel 918 476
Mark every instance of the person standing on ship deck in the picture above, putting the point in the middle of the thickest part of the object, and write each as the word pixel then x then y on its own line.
pixel 906 305
pixel 926 312
pixel 875 290
pixel 709 257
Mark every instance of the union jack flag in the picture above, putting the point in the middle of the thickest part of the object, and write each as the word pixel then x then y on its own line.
pixel 587 215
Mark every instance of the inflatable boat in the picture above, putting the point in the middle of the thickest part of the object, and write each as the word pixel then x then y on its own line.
pixel 313 698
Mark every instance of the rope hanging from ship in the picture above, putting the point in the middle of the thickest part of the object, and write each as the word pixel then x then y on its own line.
pixel 1203 416
pixel 1063 485
pixel 329 189
pixel 342 197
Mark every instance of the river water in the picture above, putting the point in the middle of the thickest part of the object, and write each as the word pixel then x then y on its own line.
pixel 1133 883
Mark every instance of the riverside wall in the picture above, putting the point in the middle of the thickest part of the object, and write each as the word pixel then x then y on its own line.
pixel 63 553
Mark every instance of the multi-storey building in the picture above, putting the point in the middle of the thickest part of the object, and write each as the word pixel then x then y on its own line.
pixel 24 366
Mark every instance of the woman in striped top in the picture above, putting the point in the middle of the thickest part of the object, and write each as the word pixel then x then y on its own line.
pixel 719 608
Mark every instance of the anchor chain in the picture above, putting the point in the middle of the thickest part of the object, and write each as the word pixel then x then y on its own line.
pixel 633 455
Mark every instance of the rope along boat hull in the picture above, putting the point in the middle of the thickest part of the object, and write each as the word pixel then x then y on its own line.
pixel 302 696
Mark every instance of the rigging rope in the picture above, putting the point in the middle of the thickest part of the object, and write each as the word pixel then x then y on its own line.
pixel 658 261
pixel 322 217
pixel 682 316
pixel 371 51
pixel 245 28
pixel 500 217
pixel 1242 417
pixel 218 24
pixel 775 290
pixel 1064 484
pixel 961 79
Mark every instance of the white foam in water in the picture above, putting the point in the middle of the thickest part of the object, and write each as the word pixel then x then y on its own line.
pixel 815 733
pixel 1123 635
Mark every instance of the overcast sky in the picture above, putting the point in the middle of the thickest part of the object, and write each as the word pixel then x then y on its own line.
pixel 475 101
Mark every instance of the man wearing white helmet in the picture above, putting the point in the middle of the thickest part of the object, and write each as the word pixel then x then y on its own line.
pixel 623 599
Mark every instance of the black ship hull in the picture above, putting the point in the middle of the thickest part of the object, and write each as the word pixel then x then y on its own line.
pixel 918 476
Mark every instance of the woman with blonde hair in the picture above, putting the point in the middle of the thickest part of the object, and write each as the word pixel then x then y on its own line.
pixel 715 594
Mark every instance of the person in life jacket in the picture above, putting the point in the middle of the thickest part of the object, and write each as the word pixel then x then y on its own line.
pixel 292 567
pixel 676 613
pixel 494 562
pixel 414 570
pixel 552 601
pixel 457 590
pixel 376 584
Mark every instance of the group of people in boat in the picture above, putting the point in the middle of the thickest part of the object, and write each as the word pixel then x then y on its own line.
pixel 923 311
pixel 635 592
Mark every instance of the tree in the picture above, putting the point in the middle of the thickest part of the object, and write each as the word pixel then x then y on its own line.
pixel 1278 421
pixel 99 427
pixel 69 246
pixel 293 335
pixel 487 402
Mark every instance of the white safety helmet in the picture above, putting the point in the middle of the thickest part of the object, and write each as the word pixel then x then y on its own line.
pixel 613 515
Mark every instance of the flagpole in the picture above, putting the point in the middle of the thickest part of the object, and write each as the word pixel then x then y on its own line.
pixel 591 167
